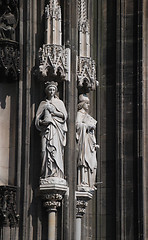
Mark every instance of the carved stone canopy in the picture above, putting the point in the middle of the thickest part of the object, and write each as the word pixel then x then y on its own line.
pixel 53 62
pixel 8 214
pixel 86 77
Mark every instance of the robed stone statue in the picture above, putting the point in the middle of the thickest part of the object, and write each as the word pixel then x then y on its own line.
pixel 51 122
pixel 86 144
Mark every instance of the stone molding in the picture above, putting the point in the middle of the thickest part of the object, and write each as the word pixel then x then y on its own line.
pixel 50 181
pixel 8 213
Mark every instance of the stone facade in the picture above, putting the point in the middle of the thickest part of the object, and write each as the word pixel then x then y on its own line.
pixel 88 49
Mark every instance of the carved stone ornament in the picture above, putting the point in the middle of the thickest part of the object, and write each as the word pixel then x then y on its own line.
pixel 9 52
pixel 53 60
pixel 82 203
pixel 52 201
pixel 81 207
pixel 8 19
pixel 86 76
pixel 53 27
pixel 53 57
pixel 8 214
pixel 82 17
pixel 9 59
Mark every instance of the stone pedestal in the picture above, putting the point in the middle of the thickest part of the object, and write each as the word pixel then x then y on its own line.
pixel 52 191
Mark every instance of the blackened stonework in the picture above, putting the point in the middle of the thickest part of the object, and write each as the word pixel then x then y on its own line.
pixel 9 53
pixel 8 19
pixel 8 214
pixel 9 60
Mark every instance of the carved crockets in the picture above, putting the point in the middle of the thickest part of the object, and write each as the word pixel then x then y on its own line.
pixel 51 122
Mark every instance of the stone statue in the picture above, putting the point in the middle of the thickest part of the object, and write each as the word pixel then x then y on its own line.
pixel 86 144
pixel 51 121
pixel 7 25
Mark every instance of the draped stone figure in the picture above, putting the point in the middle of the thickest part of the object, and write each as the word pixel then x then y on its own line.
pixel 51 122
pixel 7 25
pixel 86 144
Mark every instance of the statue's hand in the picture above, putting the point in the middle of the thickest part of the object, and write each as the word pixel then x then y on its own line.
pixel 97 146
pixel 91 128
pixel 51 108
pixel 44 123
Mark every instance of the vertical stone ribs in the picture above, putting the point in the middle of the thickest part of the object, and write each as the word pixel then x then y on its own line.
pixel 86 77
pixel 8 214
pixel 82 11
pixel 53 57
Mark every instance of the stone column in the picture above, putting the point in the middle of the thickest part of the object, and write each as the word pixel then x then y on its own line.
pixel 82 202
pixel 81 205
pixel 52 191
pixel 52 202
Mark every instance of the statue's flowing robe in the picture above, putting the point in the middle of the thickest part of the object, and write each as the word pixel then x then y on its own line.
pixel 53 138
pixel 86 148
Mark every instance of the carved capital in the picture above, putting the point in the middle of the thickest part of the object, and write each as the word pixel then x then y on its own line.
pixel 86 77
pixel 53 61
pixel 8 214
pixel 52 193
pixel 82 202
pixel 81 208
pixel 52 201
pixel 9 59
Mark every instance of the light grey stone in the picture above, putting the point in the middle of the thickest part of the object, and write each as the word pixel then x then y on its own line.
pixel 86 145
pixel 51 122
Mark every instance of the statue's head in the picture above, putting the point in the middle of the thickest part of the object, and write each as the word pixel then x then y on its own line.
pixel 83 102
pixel 50 88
